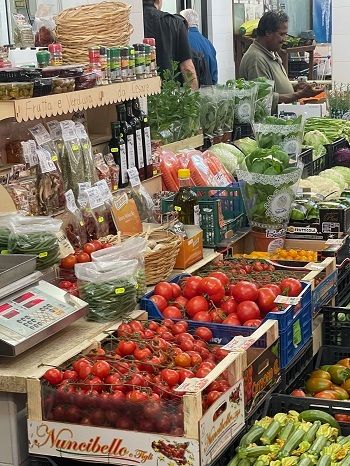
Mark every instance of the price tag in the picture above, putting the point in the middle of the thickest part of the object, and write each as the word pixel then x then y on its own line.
pixel 81 132
pixel 239 344
pixel 94 198
pixel 105 192
pixel 119 290
pixel 4 252
pixel 68 130
pixel 82 197
pixel 192 385
pixel 40 134
pixel 65 247
pixel 101 219
pixel 33 157
pixel 70 201
pixel 121 201
pixel 134 177
pixel 291 301
pixel 45 162
pixel 43 254
pixel 26 151
pixel 54 158
pixel 177 208
pixel 335 242
pixel 314 267
pixel 54 129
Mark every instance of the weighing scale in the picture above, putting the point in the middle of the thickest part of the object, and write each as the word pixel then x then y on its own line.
pixel 31 309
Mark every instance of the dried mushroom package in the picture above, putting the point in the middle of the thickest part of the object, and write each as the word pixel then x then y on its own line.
pixel 107 198
pixel 102 169
pixel 113 172
pixel 55 131
pixel 73 153
pixel 49 184
pixel 87 152
pixel 73 222
pixel 90 222
pixel 99 211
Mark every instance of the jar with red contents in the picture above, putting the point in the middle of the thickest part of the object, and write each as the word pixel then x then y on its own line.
pixel 95 63
pixel 56 58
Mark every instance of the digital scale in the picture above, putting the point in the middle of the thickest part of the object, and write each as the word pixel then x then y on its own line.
pixel 31 309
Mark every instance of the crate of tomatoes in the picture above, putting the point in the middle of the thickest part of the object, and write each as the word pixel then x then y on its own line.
pixel 221 301
pixel 145 392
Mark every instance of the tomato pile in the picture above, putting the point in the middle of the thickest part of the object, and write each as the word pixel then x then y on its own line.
pixel 215 298
pixel 131 383
pixel 83 255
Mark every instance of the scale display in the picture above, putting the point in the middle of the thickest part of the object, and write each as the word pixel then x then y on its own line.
pixel 34 313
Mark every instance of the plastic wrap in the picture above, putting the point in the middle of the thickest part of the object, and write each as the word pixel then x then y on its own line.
pixel 102 169
pixel 169 167
pixel 87 152
pixel 245 97
pixel 50 187
pixel 5 231
pixel 55 131
pixel 99 211
pixel 113 172
pixel 37 236
pixel 73 222
pixel 264 99
pixel 74 156
pixel 110 291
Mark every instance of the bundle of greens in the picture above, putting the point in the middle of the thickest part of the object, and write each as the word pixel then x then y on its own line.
pixel 245 99
pixel 264 99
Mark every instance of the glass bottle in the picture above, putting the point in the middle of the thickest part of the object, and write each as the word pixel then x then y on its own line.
pixel 128 135
pixel 146 137
pixel 186 201
pixel 138 143
pixel 117 148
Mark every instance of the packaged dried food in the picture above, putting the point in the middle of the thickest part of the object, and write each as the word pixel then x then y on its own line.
pixel 50 186
pixel 19 196
pixel 38 236
pixel 14 152
pixel 107 198
pixel 75 161
pixel 29 184
pixel 14 91
pixel 10 75
pixel 62 85
pixel 88 159
pixel 110 291
pixel 99 211
pixel 113 172
pixel 55 131
pixel 42 86
pixel 73 222
pixel 102 169
pixel 43 27
pixel 85 81
pixel 22 31
pixel 143 200
pixel 64 71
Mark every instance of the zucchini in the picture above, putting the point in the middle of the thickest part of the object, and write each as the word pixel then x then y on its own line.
pixel 244 462
pixel 234 462
pixel 251 436
pixel 292 443
pixel 318 446
pixel 286 431
pixel 270 433
pixel 305 462
pixel 346 461
pixel 311 433
pixel 343 440
pixel 325 460
pixel 312 415
pixel 253 451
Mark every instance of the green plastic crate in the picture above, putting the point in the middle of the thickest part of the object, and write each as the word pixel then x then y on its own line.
pixel 215 204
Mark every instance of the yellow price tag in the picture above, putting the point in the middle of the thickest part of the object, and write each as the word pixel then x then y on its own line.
pixel 101 219
pixel 119 290
pixel 81 223
pixel 54 158
pixel 137 286
pixel 145 119
pixel 114 150
pixel 43 254
pixel 155 172
pixel 75 147
pixel 177 208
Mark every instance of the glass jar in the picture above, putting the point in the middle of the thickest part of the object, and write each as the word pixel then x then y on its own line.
pixel 56 58
pixel 132 64
pixel 140 60
pixel 115 65
pixel 124 55
pixel 152 42
pixel 43 58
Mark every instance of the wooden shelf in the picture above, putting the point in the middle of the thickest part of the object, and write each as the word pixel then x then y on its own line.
pixel 209 255
pixel 58 104
pixel 189 143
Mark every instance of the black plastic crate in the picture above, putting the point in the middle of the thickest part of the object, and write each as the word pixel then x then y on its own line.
pixel 332 149
pixel 306 157
pixel 343 296
pixel 319 164
pixel 331 355
pixel 242 131
pixel 295 371
pixel 336 326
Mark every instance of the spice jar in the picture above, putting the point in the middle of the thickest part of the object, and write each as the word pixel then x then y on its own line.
pixel 132 64
pixel 152 42
pixel 43 58
pixel 115 65
pixel 140 60
pixel 56 58
pixel 124 55
pixel 95 63
pixel 148 61
pixel 103 61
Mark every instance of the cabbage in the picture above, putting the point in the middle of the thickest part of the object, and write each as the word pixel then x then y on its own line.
pixel 246 145
pixel 335 176
pixel 345 172
pixel 320 185
pixel 316 140
pixel 229 156
pixel 342 156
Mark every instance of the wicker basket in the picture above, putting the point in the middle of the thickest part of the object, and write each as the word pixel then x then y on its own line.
pixel 159 263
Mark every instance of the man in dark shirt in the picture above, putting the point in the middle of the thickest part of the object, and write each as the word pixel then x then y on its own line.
pixel 171 38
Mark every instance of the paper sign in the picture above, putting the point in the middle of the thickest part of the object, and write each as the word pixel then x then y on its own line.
pixel 134 177
pixel 314 267
pixel 193 385
pixel 126 217
pixel 335 242
pixel 287 300
pixel 239 343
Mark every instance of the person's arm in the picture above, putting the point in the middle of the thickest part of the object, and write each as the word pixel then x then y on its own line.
pixel 306 91
pixel 189 72
pixel 213 65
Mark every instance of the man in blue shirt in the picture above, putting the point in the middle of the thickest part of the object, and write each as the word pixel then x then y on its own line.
pixel 200 43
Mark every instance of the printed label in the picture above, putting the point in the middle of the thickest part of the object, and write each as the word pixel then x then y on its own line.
pixel 45 162
pixel 287 300
pixel 131 152
pixel 123 164
pixel 70 201
pixel 94 198
pixel 54 129
pixel 134 177
pixel 104 190
pixel 196 214
pixel 147 133
pixel 40 134
pixel 139 144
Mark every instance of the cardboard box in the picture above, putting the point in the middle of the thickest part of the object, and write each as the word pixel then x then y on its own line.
pixel 310 110
pixel 191 249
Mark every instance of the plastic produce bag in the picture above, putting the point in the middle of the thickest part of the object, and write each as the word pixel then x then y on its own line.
pixel 264 99
pixel 50 185
pixel 245 97
pixel 73 222
pixel 110 290
pixel 246 145
pixel 229 156
pixel 208 110
pixel 55 131
pixel 132 248
pixel 73 155
pixel 44 26
pixel 37 236
pixel 316 140
pixel 222 176
pixel 99 211
pixel 5 230
pixel 88 159
pixel 169 166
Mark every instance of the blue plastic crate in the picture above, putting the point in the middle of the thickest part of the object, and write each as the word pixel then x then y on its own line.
pixel 289 321
pixel 325 291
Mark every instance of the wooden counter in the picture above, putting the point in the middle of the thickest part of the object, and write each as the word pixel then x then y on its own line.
pixel 51 352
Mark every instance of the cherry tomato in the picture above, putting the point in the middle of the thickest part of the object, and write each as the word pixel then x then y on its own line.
pixel 65 284
pixel 126 348
pixel 83 257
pixel 255 323
pixel 211 286
pixel 197 304
pixel 69 262
pixel 203 333
pixel 183 360
pixel 202 372
pixel 101 369
pixel 98 245
pixel 53 376
pixel 232 319
pixel 164 289
pixel 244 291
pixel 340 417
pixel 170 376
pixel 176 290
pixel 124 330
pixel 172 312
pixel 228 305
pixel 107 245
pixel 178 328
pixel 70 375
pixel 185 374
pixel 84 371
pixel 202 316
pixel 299 393
pixel 275 288
pixel 291 287
pixel 136 326
pixel 136 396
pixel 212 397
pixel 89 248
pixel 221 276
pixel 196 358
pixel 79 363
pixel 142 354
pixel 266 299
pixel 248 310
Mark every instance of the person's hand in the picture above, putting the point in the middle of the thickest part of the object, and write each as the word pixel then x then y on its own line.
pixel 309 90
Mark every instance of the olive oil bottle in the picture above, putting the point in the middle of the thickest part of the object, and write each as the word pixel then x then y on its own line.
pixel 185 201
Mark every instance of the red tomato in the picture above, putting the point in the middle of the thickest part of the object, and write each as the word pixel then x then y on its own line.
pixel 101 369
pixel 170 376
pixel 126 348
pixel 338 417
pixel 291 287
pixel 266 299
pixel 211 286
pixel 202 372
pixel 217 316
pixel 190 287
pixel 197 304
pixel 220 276
pixel 228 305
pixel 89 248
pixel 202 316
pixel 176 290
pixel 185 374
pixel 164 289
pixel 159 301
pixel 142 354
pixel 183 360
pixel 232 319
pixel 107 245
pixel 79 363
pixel 136 396
pixel 212 397
pixel 83 257
pixel 172 312
pixel 299 393
pixel 53 376
pixel 70 375
pixel 65 284
pixel 84 371
pixel 178 328
pixel 244 291
pixel 248 310
pixel 275 288
pixel 98 245
pixel 124 330
pixel 252 323
pixel 180 302
pixel 69 262
pixel 203 333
